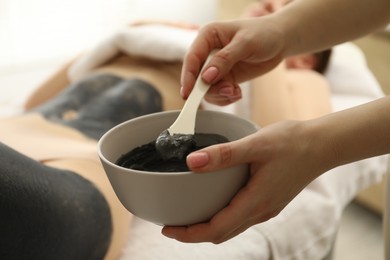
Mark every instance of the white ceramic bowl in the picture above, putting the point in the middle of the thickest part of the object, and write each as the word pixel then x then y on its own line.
pixel 178 198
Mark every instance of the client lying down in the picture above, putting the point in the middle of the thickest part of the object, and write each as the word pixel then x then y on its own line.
pixel 56 202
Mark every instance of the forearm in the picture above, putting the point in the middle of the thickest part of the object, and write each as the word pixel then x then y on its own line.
pixel 314 24
pixel 353 134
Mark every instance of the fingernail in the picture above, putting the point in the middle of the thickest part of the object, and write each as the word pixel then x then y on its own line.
pixel 210 74
pixel 182 92
pixel 168 234
pixel 226 91
pixel 197 160
pixel 234 99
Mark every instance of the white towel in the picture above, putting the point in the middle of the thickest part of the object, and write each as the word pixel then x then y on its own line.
pixel 154 41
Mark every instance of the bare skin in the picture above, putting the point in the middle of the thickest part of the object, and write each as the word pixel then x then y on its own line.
pixel 281 95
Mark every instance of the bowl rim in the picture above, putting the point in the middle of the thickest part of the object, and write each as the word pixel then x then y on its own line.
pixel 144 117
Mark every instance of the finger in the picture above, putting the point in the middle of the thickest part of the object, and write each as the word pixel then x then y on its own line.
pixel 199 50
pixel 224 88
pixel 276 5
pixel 224 60
pixel 220 156
pixel 222 101
pixel 189 73
pixel 234 219
pixel 226 224
pixel 204 232
pixel 215 231
pixel 210 37
pixel 223 93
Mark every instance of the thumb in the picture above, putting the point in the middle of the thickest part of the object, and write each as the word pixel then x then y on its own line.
pixel 224 60
pixel 219 156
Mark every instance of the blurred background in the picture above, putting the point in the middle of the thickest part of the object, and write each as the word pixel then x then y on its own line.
pixel 38 32
pixel 45 32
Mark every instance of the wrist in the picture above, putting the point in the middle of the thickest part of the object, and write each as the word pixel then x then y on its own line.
pixel 308 149
pixel 323 146
pixel 351 135
pixel 288 22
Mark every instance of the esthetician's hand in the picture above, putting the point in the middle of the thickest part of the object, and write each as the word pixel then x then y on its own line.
pixel 284 158
pixel 250 47
pixel 282 162
pixel 247 49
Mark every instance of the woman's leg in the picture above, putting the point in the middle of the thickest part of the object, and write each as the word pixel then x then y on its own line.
pixel 69 209
pixel 75 96
pixel 100 102
pixel 49 213
pixel 129 99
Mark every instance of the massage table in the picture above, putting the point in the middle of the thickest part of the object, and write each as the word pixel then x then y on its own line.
pixel 307 227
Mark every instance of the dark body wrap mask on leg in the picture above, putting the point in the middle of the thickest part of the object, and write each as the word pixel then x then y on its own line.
pixel 50 213
pixel 99 102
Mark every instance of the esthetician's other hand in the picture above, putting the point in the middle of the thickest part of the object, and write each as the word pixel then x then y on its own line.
pixel 251 47
pixel 247 49
pixel 283 160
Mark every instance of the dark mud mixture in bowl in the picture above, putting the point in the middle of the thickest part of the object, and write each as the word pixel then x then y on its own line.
pixel 147 158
